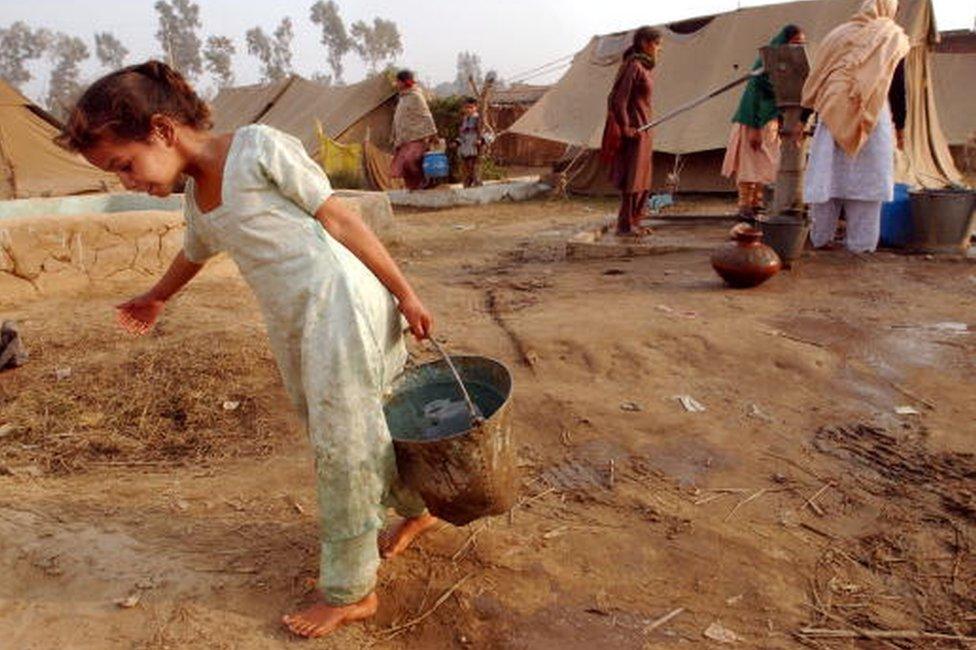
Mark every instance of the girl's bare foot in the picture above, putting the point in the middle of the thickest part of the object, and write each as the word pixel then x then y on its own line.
pixel 396 538
pixel 321 618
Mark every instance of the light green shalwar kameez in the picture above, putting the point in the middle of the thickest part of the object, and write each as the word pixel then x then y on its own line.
pixel 335 331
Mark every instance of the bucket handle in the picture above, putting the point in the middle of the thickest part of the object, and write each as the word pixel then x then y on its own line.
pixel 475 418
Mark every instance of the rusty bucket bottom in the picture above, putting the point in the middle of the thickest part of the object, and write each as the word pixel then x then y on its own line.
pixel 463 472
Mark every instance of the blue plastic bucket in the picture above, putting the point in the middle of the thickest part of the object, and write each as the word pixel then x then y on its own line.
pixel 436 165
pixel 896 219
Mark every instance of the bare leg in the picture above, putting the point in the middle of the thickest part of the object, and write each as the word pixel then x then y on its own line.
pixel 397 538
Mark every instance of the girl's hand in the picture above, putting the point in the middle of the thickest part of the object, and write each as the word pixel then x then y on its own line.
pixel 137 316
pixel 420 321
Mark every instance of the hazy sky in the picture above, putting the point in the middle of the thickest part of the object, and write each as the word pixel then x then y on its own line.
pixel 511 36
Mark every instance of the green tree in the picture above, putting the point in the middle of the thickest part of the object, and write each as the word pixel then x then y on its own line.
pixel 376 43
pixel 67 52
pixel 18 45
pixel 218 59
pixel 109 50
pixel 335 38
pixel 179 21
pixel 273 51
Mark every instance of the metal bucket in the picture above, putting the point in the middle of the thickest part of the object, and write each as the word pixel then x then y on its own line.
pixel 942 220
pixel 465 475
pixel 785 234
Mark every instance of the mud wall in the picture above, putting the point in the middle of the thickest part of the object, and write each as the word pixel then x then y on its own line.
pixel 45 255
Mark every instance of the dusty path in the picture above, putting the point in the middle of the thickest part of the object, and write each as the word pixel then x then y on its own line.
pixel 797 499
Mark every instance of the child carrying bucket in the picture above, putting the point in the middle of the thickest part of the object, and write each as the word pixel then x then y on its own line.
pixel 332 297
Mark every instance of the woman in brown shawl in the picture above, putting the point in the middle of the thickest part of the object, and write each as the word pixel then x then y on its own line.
pixel 627 149
pixel 413 129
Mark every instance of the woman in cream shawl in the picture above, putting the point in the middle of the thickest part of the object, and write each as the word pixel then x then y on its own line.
pixel 851 164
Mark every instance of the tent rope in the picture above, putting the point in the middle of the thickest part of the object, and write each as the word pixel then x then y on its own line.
pixel 558 68
pixel 515 77
pixel 563 178
pixel 674 178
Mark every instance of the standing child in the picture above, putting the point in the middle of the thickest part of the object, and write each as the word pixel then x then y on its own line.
pixel 328 289
pixel 628 149
pixel 470 141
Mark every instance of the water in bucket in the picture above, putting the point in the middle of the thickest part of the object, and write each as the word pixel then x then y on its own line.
pixel 435 411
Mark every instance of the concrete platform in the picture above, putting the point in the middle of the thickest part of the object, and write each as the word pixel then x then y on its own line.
pixel 452 196
pixel 600 242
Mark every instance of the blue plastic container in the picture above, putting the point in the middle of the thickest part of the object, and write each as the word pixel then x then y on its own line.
pixel 436 165
pixel 896 219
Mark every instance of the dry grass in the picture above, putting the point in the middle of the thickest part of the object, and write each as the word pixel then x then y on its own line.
pixel 157 400
pixel 916 565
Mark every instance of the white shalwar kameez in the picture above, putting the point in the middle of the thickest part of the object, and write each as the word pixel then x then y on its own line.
pixel 335 332
pixel 857 184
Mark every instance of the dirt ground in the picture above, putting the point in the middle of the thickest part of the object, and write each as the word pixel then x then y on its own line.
pixel 158 492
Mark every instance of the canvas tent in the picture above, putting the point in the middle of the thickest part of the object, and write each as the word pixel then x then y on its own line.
pixel 31 164
pixel 294 104
pixel 705 53
pixel 953 73
pixel 357 114
pixel 237 106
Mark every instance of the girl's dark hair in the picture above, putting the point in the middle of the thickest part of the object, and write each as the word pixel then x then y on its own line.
pixel 404 76
pixel 470 100
pixel 790 31
pixel 643 35
pixel 646 35
pixel 122 104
